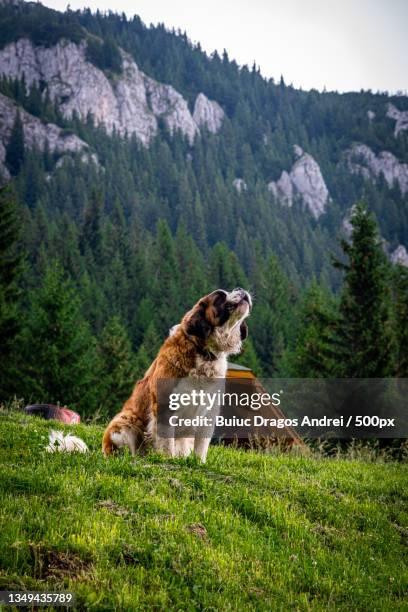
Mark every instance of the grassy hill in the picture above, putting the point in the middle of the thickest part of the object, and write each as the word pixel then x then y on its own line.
pixel 245 531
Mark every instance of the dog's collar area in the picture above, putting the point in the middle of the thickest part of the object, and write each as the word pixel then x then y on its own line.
pixel 207 354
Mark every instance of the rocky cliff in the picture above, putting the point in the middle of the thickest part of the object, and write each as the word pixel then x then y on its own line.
pixel 304 182
pixel 240 185
pixel 37 134
pixel 397 256
pixel 400 256
pixel 208 114
pixel 130 102
pixel 400 118
pixel 362 160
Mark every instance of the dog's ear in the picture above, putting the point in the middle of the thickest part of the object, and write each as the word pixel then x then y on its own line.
pixel 244 330
pixel 198 326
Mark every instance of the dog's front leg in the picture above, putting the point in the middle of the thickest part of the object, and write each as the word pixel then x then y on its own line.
pixel 201 448
pixel 183 447
pixel 165 445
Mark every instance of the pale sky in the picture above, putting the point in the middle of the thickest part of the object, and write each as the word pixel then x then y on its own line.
pixel 345 45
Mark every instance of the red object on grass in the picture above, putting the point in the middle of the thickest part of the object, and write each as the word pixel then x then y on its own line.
pixel 51 411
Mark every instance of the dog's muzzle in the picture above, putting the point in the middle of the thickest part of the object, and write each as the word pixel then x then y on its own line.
pixel 239 295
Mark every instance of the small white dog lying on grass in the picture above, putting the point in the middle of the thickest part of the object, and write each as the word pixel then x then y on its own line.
pixel 69 443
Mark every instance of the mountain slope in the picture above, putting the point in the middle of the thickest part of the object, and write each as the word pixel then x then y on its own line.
pixel 129 103
pixel 90 65
pixel 206 174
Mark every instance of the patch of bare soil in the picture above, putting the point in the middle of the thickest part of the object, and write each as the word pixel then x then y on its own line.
pixel 58 564
pixel 198 529
pixel 114 507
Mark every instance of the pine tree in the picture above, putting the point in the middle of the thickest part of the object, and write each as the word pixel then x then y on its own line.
pixel 400 277
pixel 312 354
pixel 15 146
pixel 152 341
pixel 116 286
pixel 141 320
pixel 68 247
pixel 364 335
pixel 111 55
pixel 117 240
pixel 199 229
pixel 95 305
pixel 272 315
pixel 165 290
pixel 118 367
pixel 142 362
pixel 59 351
pixel 11 266
pixel 225 270
pixel 147 350
pixel 193 284
pixel 248 357
pixel 91 234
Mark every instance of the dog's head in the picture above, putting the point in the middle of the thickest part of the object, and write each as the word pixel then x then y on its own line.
pixel 218 320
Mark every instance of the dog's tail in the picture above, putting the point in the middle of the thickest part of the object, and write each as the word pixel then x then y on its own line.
pixel 108 447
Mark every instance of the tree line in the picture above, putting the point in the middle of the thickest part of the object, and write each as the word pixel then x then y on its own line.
pixel 82 333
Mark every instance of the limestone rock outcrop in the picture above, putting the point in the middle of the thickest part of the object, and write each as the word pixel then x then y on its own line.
pixel 240 185
pixel 208 113
pixel 304 182
pixel 362 160
pixel 37 133
pixel 400 118
pixel 130 102
pixel 400 256
pixel 346 224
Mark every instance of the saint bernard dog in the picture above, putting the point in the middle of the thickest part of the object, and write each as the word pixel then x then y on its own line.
pixel 197 347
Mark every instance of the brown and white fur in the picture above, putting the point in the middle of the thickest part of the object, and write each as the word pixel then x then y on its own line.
pixel 197 347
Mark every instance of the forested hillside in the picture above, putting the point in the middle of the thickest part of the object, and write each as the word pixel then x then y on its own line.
pixel 113 224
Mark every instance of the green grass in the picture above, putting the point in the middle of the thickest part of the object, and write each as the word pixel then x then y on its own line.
pixel 245 531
